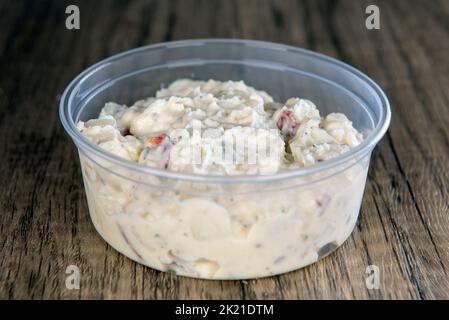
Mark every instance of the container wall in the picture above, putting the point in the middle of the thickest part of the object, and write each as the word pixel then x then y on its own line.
pixel 227 230
pixel 223 231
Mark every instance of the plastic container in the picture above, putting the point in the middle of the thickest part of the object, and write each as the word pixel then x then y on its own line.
pixel 222 227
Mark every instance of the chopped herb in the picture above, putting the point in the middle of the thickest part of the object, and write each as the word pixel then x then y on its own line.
pixel 279 259
pixel 326 249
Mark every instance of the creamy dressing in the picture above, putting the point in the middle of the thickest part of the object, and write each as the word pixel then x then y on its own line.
pixel 215 231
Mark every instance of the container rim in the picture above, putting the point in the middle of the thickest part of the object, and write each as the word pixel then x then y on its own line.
pixel 358 152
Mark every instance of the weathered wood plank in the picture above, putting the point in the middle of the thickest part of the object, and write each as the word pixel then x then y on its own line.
pixel 404 221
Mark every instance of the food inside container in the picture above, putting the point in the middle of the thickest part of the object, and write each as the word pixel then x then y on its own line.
pixel 217 178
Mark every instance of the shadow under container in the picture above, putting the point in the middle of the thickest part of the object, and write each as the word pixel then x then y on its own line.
pixel 221 227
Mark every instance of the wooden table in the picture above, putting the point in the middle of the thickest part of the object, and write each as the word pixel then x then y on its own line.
pixel 404 222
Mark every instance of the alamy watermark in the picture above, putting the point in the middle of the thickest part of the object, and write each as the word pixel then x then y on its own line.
pixel 372 281
pixel 251 146
pixel 73 19
pixel 373 19
pixel 72 282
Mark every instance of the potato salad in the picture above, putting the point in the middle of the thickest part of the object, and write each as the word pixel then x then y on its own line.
pixel 221 231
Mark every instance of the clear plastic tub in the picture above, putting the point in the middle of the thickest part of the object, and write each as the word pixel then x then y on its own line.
pixel 226 227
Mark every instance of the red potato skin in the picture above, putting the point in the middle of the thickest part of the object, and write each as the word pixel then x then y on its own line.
pixel 322 203
pixel 162 141
pixel 288 124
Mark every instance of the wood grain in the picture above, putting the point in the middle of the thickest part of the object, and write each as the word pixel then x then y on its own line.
pixel 404 221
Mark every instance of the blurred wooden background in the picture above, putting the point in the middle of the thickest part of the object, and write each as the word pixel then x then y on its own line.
pixel 404 221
